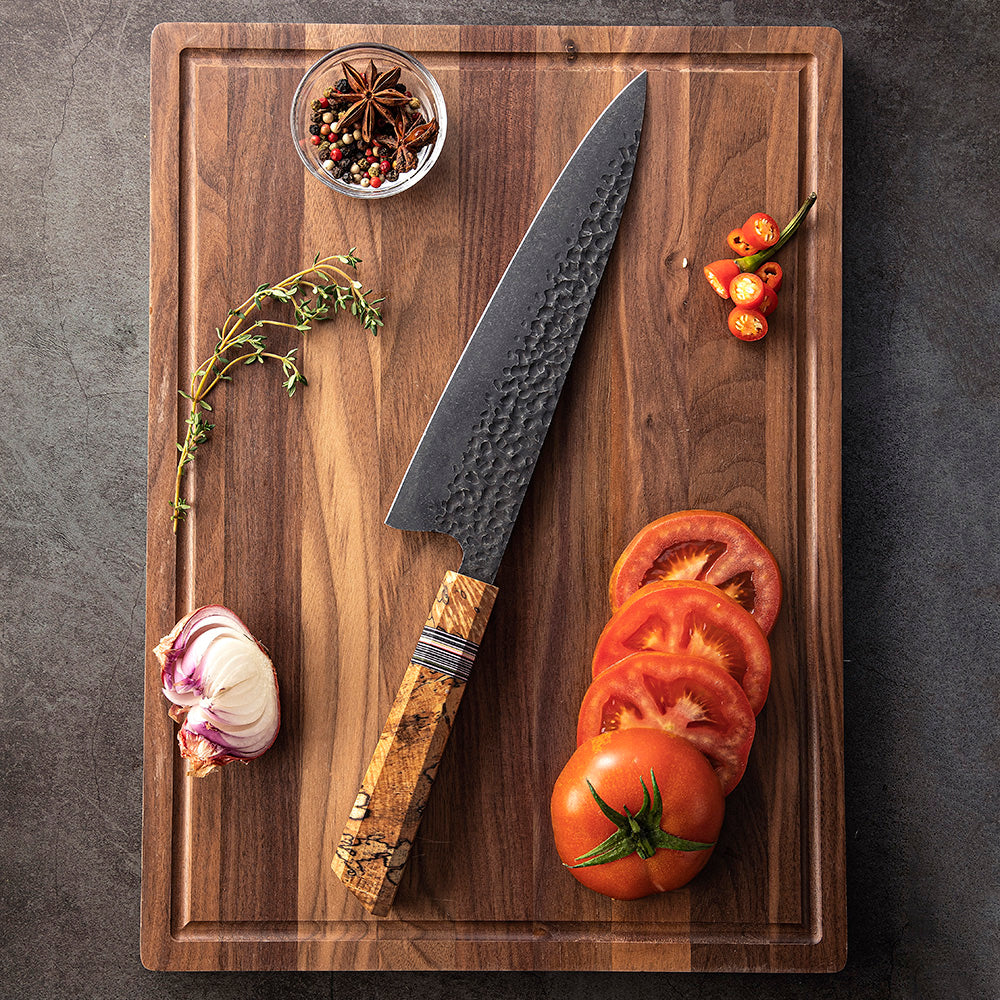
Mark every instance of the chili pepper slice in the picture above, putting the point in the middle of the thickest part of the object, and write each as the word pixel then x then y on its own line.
pixel 738 243
pixel 747 291
pixel 720 273
pixel 761 231
pixel 771 274
pixel 754 261
pixel 769 302
pixel 747 324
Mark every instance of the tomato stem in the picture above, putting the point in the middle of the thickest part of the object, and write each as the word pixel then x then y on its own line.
pixel 643 847
pixel 751 263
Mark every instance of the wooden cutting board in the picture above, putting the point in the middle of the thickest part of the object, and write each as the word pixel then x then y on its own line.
pixel 663 410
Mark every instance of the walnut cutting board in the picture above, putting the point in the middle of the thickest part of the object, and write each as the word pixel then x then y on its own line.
pixel 663 410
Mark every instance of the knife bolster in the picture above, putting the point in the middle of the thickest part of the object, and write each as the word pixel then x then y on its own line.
pixel 383 822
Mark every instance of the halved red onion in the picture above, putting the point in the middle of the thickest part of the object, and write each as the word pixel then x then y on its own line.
pixel 223 687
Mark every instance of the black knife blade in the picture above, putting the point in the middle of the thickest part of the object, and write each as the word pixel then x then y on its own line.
pixel 471 468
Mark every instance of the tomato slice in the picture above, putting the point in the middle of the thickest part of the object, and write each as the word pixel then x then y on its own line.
pixel 702 545
pixel 687 616
pixel 686 696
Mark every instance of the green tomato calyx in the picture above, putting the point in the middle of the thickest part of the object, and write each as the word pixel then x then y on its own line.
pixel 637 833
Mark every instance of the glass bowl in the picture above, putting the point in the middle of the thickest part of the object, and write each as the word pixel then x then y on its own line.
pixel 326 72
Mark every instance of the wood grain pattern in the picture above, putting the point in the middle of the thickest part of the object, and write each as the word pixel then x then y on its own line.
pixel 386 814
pixel 662 410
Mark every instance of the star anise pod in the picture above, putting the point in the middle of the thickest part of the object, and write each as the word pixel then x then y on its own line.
pixel 405 142
pixel 369 95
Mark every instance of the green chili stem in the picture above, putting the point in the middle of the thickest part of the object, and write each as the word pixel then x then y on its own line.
pixel 751 263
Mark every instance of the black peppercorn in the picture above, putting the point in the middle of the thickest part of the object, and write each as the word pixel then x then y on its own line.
pixel 343 86
pixel 314 129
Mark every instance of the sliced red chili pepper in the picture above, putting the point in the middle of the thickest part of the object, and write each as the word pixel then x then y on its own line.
pixel 747 324
pixel 753 262
pixel 769 302
pixel 771 274
pixel 746 291
pixel 720 273
pixel 761 231
pixel 739 243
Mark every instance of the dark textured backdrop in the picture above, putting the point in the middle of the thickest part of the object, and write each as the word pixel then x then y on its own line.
pixel 921 466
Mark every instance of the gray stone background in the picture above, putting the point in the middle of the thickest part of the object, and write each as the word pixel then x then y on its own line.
pixel 921 523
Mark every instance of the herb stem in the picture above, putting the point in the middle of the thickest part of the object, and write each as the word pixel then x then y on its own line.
pixel 332 289
pixel 243 357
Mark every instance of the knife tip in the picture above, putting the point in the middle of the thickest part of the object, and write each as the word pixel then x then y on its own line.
pixel 636 87
pixel 634 92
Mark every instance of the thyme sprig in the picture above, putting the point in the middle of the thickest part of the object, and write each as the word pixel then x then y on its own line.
pixel 315 293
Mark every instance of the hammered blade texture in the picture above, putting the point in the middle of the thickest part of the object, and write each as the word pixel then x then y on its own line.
pixel 487 489
pixel 471 468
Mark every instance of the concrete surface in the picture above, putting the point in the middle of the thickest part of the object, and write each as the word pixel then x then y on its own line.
pixel 921 519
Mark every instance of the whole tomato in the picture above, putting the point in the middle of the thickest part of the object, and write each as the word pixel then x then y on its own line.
pixel 658 819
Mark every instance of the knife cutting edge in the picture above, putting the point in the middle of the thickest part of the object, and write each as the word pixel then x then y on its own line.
pixel 471 469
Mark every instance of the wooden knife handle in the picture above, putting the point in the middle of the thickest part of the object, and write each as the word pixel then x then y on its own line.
pixel 383 823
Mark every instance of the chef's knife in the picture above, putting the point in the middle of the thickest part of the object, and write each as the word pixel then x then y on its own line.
pixel 471 469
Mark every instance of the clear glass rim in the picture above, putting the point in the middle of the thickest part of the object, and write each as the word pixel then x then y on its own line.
pixel 409 61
